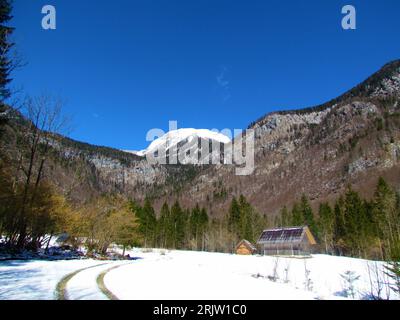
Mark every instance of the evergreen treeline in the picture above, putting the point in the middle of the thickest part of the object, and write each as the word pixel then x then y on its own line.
pixel 352 225
pixel 192 229
pixel 244 222
pixel 176 228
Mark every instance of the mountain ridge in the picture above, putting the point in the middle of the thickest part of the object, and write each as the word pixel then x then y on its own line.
pixel 376 78
pixel 352 139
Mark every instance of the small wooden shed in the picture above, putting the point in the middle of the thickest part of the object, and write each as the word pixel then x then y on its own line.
pixel 287 241
pixel 244 247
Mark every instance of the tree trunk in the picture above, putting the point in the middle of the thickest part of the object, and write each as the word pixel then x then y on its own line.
pixel 22 236
pixel 48 243
pixel 326 245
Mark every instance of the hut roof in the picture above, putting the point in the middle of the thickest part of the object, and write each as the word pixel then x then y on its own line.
pixel 247 244
pixel 286 235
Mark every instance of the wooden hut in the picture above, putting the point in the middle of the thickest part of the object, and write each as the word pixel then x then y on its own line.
pixel 287 241
pixel 244 247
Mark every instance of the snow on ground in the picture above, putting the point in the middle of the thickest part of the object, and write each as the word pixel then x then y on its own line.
pixel 161 274
pixel 35 280
pixel 201 275
pixel 179 276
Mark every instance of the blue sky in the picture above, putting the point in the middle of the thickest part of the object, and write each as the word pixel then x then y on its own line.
pixel 126 66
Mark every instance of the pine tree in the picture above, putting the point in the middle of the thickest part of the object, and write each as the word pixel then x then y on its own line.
pixel 339 231
pixel 178 225
pixel 386 219
pixel 5 46
pixel 326 226
pixel 355 223
pixel 234 216
pixel 147 222
pixel 5 61
pixel 308 216
pixel 163 225
pixel 349 278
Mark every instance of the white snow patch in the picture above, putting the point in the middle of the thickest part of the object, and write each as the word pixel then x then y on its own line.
pixel 173 137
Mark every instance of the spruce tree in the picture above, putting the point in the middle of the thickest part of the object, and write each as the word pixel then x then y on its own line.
pixel 308 215
pixel 355 221
pixel 178 225
pixel 234 216
pixel 194 223
pixel 163 225
pixel 5 61
pixel 5 46
pixel 147 223
pixel 340 229
pixel 386 219
pixel 326 226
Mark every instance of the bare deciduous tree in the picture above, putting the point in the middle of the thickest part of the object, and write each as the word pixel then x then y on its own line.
pixel 308 284
pixel 45 120
pixel 274 275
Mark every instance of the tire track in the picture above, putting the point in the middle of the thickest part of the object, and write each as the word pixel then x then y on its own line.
pixel 61 291
pixel 102 286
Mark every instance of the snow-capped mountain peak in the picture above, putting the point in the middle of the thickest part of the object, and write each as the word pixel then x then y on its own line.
pixel 176 137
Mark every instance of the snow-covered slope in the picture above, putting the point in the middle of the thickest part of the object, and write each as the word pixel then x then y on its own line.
pixel 179 137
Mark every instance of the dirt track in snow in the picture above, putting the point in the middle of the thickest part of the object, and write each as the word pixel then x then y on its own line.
pixel 86 283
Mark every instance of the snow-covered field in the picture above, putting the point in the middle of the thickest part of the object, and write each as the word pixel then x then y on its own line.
pixel 35 280
pixel 161 274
